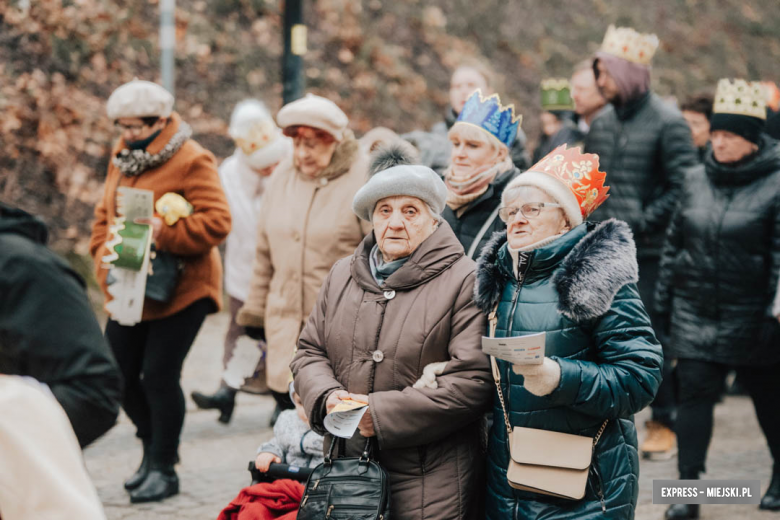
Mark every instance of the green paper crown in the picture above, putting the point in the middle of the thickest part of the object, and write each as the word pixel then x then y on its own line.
pixel 556 95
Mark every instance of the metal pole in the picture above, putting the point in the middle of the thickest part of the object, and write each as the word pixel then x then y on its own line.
pixel 294 49
pixel 168 43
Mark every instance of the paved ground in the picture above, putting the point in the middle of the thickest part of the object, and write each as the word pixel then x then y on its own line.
pixel 214 457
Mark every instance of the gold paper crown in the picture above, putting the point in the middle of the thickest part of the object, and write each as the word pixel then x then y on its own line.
pixel 626 43
pixel 741 98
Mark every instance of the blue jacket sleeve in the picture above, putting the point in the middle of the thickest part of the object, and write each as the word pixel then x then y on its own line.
pixel 626 374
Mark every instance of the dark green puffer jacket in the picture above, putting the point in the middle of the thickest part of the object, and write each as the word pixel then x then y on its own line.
pixel 646 148
pixel 581 291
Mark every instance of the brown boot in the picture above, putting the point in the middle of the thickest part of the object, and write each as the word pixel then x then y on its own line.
pixel 256 384
pixel 660 442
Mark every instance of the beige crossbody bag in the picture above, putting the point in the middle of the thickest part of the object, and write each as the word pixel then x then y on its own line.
pixel 541 461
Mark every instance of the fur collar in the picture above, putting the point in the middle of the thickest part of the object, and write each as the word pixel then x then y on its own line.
pixel 586 280
pixel 134 162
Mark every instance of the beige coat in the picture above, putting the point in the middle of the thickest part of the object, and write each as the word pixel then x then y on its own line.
pixel 304 226
pixel 377 341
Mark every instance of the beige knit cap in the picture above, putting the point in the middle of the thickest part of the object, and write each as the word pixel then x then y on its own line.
pixel 316 112
pixel 139 99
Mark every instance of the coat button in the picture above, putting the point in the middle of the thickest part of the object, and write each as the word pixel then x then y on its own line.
pixel 378 356
pixel 323 181
pixel 390 294
pixel 296 236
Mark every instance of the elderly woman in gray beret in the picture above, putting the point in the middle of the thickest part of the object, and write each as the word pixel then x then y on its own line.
pixel 395 326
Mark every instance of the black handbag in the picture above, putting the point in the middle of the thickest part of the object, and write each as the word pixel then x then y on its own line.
pixel 347 489
pixel 161 281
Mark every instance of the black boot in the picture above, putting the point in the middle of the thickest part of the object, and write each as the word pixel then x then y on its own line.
pixel 283 402
pixel 161 483
pixel 223 400
pixel 771 500
pixel 139 476
pixel 684 511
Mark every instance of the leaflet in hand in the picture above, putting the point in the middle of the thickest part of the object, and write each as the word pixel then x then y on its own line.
pixel 518 350
pixel 343 420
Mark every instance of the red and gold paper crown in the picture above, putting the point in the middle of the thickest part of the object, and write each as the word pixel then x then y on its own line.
pixel 579 172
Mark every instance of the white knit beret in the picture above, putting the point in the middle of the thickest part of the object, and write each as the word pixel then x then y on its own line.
pixel 411 180
pixel 139 99
pixel 316 112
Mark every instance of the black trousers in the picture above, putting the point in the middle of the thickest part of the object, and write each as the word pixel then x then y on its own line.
pixel 150 355
pixel 664 405
pixel 700 384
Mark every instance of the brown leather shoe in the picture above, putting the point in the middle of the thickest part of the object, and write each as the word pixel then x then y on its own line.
pixel 660 442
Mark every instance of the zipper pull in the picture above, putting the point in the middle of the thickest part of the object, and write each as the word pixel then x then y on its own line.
pixel 316 483
pixel 330 510
pixel 603 504
pixel 304 500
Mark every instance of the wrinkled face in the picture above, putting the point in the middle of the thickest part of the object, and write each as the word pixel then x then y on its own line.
pixel 606 83
pixel 312 150
pixel 585 93
pixel 470 156
pixel 522 231
pixel 134 129
pixel 463 83
pixel 728 147
pixel 550 123
pixel 700 127
pixel 400 225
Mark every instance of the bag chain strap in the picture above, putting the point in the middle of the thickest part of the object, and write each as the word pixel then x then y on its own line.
pixel 493 321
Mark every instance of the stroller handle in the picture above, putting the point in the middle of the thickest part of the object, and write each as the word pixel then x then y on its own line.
pixel 279 471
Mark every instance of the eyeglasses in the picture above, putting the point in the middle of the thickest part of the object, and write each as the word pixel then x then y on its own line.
pixel 129 128
pixel 528 210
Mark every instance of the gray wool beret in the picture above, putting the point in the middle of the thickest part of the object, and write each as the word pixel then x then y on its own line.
pixel 411 180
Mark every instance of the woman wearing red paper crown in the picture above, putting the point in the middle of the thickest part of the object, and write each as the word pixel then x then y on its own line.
pixel 563 443
pixel 480 168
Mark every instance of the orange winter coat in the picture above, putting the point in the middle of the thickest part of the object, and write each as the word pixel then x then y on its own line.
pixel 192 173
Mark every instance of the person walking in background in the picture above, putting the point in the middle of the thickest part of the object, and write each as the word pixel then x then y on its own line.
pixel 697 111
pixel 395 326
pixel 587 98
pixel 434 147
pixel 646 146
pixel 716 294
pixel 557 117
pixel 155 153
pixel 260 146
pixel 480 168
pixel 48 330
pixel 553 272
pixel 303 227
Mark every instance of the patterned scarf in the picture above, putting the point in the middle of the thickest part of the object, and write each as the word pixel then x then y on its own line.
pixel 461 191
pixel 134 162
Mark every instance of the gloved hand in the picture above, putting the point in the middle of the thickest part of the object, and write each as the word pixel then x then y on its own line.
pixel 542 379
pixel 257 333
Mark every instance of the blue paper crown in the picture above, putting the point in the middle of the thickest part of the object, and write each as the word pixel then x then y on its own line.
pixel 490 115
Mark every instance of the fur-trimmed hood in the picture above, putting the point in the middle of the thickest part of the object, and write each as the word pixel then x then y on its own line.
pixel 586 279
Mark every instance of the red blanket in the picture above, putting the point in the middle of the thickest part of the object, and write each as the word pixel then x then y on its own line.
pixel 276 500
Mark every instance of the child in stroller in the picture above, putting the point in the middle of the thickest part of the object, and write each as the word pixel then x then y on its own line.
pixel 281 467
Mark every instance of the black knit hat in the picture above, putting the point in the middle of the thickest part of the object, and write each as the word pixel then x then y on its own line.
pixel 748 127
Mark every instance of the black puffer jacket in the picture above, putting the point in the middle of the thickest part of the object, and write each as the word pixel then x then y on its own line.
pixel 477 212
pixel 48 330
pixel 721 260
pixel 645 147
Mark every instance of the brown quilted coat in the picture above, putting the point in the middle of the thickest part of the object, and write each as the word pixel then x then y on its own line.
pixel 376 341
